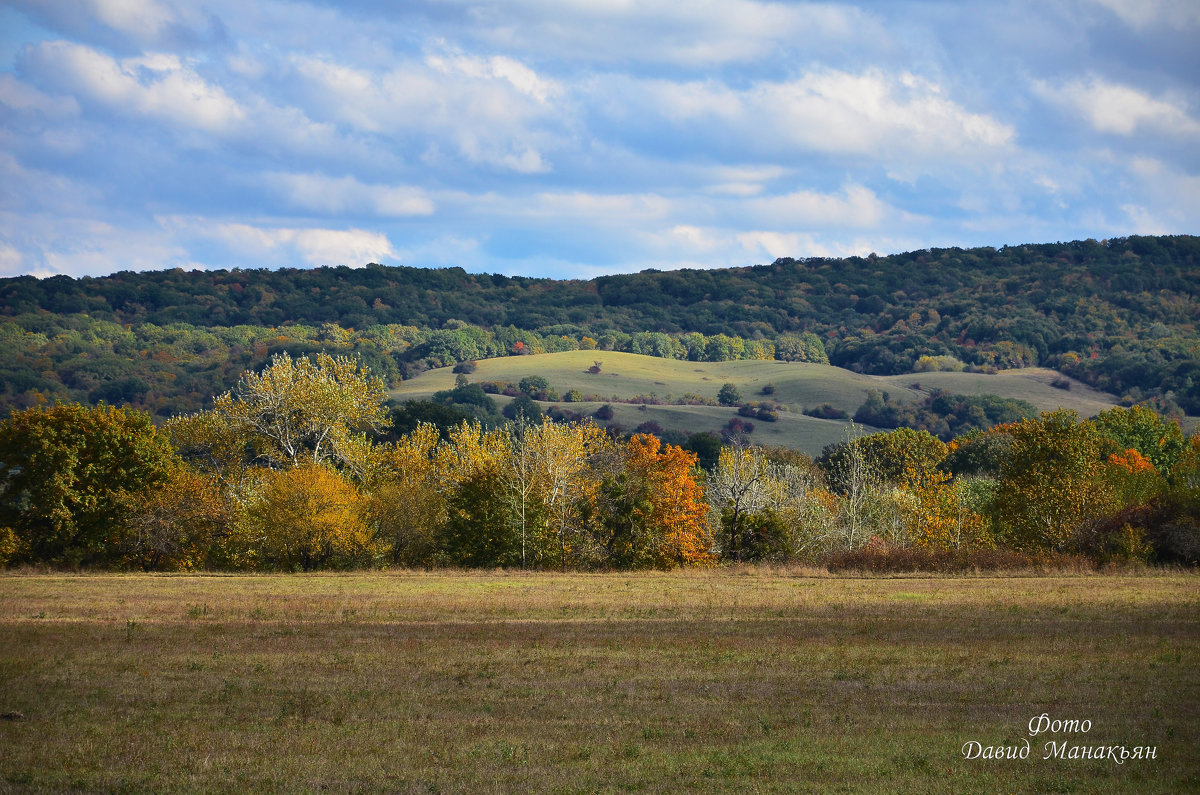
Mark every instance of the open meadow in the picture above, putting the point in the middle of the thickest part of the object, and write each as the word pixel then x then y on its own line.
pixel 797 386
pixel 738 679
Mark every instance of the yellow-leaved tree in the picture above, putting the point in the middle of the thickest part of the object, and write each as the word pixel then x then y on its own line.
pixel 1050 482
pixel 408 496
pixel 310 516
pixel 294 411
pixel 549 477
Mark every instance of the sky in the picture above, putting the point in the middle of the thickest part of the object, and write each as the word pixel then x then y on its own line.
pixel 572 138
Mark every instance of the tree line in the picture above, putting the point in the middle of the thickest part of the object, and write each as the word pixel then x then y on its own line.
pixel 1119 314
pixel 296 468
pixel 169 370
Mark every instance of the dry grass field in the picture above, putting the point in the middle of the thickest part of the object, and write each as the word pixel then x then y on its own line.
pixel 723 680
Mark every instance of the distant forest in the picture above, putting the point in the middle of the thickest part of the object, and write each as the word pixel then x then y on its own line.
pixel 1120 315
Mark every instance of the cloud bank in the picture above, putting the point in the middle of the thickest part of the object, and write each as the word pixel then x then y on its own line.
pixel 571 138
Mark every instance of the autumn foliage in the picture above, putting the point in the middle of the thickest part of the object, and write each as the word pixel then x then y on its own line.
pixel 291 471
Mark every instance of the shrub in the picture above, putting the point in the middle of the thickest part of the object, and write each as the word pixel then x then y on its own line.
pixel 533 385
pixel 739 425
pixel 825 411
pixel 651 427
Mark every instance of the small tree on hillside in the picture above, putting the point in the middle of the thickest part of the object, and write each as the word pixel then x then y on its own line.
pixel 729 395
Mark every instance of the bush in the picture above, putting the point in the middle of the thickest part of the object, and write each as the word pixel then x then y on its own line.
pixel 1120 538
pixel 465 368
pixel 604 413
pixel 739 425
pixel 533 385
pixel 825 411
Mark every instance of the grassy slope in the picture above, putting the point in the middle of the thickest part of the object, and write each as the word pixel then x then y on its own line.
pixel 695 681
pixel 798 386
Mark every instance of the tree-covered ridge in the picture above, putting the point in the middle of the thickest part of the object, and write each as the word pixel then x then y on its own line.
pixel 1120 314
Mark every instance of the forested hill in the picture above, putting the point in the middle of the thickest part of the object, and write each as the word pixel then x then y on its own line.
pixel 1121 314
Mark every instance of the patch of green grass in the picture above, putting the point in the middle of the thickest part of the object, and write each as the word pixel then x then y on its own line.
pixel 730 679
pixel 797 386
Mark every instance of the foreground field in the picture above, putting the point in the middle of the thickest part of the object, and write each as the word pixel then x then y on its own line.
pixel 724 680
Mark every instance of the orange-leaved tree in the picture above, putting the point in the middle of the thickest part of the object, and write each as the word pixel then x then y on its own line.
pixel 672 511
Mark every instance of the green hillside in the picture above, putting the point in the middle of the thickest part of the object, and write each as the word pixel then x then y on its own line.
pixel 798 386
pixel 1121 315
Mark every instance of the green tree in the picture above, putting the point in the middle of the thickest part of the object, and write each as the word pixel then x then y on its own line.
pixel 533 385
pixel 1139 428
pixel 523 408
pixel 806 347
pixel 1050 483
pixel 71 477
pixel 729 395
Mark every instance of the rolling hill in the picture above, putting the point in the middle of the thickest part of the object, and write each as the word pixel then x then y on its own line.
pixel 625 376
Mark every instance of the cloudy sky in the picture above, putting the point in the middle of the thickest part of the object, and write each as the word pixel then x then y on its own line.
pixel 575 137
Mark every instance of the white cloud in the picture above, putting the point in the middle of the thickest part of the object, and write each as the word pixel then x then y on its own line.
pixel 513 72
pixel 149 23
pixel 155 85
pixel 10 260
pixel 856 206
pixel 1120 109
pixel 1168 201
pixel 776 244
pixel 492 111
pixel 22 97
pixel 316 246
pixel 44 244
pixel 699 33
pixel 334 195
pixel 695 238
pixel 144 18
pixel 868 113
pixel 840 111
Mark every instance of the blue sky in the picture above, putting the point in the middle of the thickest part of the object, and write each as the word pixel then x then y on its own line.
pixel 569 138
